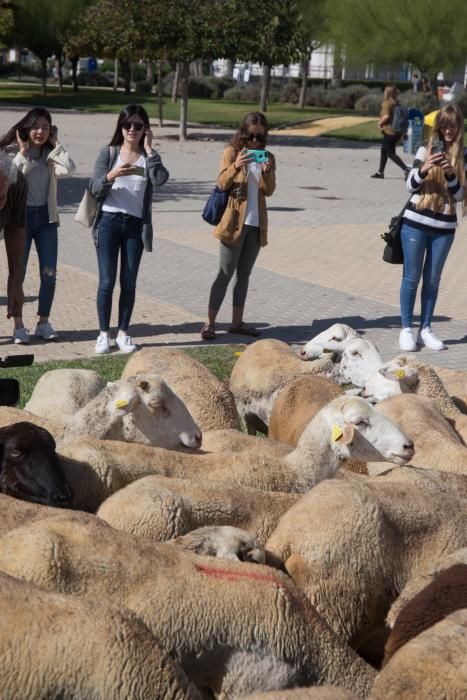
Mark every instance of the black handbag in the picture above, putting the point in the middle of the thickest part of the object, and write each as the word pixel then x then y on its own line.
pixel 392 252
pixel 215 206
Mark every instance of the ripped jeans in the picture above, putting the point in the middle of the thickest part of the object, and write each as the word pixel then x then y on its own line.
pixel 45 236
pixel 423 252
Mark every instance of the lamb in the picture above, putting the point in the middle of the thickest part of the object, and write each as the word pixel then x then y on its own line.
pixel 71 389
pixel 297 403
pixel 233 627
pixel 445 594
pixel 332 339
pixel 347 428
pixel 359 361
pixel 161 508
pixel 352 544
pixel 431 666
pixel 53 646
pixel 209 400
pixel 260 372
pixel 223 542
pixel 143 409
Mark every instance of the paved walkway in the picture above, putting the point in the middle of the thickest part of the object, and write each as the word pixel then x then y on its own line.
pixel 323 263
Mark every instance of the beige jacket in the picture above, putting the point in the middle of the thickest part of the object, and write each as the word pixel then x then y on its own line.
pixel 60 165
pixel 230 227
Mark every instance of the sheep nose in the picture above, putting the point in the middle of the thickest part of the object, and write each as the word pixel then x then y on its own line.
pixel 409 445
pixel 199 439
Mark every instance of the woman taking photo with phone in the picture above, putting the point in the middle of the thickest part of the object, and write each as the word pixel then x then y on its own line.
pixel 250 178
pixel 41 159
pixel 436 181
pixel 124 175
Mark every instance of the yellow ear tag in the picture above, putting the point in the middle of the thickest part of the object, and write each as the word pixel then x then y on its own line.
pixel 400 374
pixel 238 353
pixel 336 433
pixel 121 403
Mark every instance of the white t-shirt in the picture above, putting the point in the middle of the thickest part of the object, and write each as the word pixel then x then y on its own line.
pixel 127 193
pixel 252 211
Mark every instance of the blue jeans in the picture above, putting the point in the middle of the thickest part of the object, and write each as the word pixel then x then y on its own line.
pixel 45 236
pixel 423 252
pixel 118 233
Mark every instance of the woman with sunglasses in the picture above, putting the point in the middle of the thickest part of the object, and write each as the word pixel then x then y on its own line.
pixel 124 175
pixel 41 159
pixel 243 228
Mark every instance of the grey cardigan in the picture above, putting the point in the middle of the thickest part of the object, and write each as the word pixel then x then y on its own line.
pixel 100 187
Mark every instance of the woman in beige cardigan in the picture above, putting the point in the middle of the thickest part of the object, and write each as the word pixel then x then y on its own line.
pixel 243 228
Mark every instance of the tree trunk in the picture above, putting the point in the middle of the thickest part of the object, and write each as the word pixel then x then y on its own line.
pixel 59 65
pixel 338 65
pixel 160 91
pixel 176 82
pixel 263 102
pixel 184 75
pixel 229 68
pixel 74 72
pixel 44 76
pixel 126 70
pixel 150 72
pixel 304 63
pixel 115 73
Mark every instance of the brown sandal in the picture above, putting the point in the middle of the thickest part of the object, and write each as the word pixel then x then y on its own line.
pixel 208 332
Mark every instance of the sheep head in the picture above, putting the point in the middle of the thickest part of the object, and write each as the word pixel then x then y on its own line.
pixel 392 378
pixel 360 359
pixel 332 339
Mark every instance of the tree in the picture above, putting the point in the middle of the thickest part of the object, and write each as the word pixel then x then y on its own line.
pixel 6 22
pixel 311 24
pixel 427 33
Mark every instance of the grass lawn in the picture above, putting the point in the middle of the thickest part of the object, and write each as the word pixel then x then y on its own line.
pixel 219 360
pixel 216 112
pixel 364 132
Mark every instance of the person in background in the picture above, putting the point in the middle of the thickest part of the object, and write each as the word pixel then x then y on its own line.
pixel 13 194
pixel 437 183
pixel 390 136
pixel 415 82
pixel 124 175
pixel 425 86
pixel 242 230
pixel 41 159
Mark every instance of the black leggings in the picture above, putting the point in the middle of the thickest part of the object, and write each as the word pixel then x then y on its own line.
pixel 388 150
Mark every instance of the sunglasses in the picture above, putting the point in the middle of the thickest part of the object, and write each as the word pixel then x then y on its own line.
pixel 137 126
pixel 256 137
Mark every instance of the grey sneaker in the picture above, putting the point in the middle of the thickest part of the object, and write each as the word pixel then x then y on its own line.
pixel 124 343
pixel 103 344
pixel 46 331
pixel 428 338
pixel 21 336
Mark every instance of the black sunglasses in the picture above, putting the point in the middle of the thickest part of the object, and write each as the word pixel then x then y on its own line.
pixel 137 126
pixel 256 137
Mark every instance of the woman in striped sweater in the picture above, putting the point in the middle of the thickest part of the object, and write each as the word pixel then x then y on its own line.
pixel 436 182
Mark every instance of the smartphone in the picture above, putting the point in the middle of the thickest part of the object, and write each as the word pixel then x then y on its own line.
pixel 437 146
pixel 259 156
pixel 138 170
pixel 23 134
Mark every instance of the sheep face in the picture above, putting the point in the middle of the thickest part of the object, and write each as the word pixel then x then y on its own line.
pixel 392 378
pixel 332 339
pixel 360 359
pixel 168 420
pixel 358 432
pixel 30 468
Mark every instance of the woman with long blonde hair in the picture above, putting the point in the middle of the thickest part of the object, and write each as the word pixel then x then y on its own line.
pixel 391 137
pixel 436 182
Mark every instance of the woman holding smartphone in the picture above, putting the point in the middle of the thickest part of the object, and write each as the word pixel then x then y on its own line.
pixel 41 159
pixel 124 175
pixel 243 228
pixel 436 182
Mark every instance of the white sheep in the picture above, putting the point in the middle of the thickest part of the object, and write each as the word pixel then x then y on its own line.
pixel 352 543
pixel 141 409
pixel 161 508
pixel 208 399
pixel 360 359
pixel 347 428
pixel 233 627
pixel 62 392
pixel 261 371
pixel 58 646
pixel 223 542
pixel 330 340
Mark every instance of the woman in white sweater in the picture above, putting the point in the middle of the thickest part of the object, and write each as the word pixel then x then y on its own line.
pixel 41 159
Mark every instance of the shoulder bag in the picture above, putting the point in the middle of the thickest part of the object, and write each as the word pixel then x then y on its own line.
pixel 392 252
pixel 215 206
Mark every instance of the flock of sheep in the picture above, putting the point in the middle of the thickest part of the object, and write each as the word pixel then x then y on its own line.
pixel 151 549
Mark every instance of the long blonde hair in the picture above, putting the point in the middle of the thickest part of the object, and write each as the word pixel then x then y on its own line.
pixel 390 93
pixel 434 192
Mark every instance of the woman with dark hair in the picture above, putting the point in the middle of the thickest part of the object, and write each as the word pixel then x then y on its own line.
pixel 124 175
pixel 243 228
pixel 41 159
pixel 391 137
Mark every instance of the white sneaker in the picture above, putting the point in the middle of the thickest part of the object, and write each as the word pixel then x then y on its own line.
pixel 406 341
pixel 46 331
pixel 103 343
pixel 21 336
pixel 124 343
pixel 427 337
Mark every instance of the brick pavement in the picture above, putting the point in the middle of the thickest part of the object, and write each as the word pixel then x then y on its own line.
pixel 323 262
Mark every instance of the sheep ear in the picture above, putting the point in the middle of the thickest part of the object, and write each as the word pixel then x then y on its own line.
pixel 295 567
pixel 347 434
pixel 394 375
pixel 143 385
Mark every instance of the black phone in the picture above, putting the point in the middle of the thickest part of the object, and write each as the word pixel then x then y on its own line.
pixel 23 134
pixel 437 146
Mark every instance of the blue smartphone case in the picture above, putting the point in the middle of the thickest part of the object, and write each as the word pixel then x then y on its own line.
pixel 261 156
